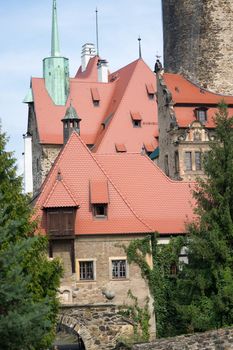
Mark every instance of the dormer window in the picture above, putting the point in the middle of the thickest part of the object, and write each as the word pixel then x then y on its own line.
pixel 136 119
pixel 95 96
pixel 150 91
pixel 99 199
pixel 201 115
pixel 100 211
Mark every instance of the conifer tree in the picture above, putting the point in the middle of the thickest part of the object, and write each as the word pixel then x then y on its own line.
pixel 205 285
pixel 28 280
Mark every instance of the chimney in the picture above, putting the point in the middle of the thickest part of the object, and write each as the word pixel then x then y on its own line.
pixel 102 71
pixel 88 51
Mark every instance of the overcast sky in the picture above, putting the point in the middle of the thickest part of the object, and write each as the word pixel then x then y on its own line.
pixel 25 36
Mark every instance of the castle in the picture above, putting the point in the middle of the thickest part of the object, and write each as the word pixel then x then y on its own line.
pixel 103 153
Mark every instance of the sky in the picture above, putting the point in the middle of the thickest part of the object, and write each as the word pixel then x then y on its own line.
pixel 25 39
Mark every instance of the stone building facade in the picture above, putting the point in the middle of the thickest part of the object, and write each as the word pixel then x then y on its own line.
pixel 94 303
pixel 181 149
pixel 198 41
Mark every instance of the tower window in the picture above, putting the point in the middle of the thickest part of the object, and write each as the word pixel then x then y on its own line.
pixel 188 161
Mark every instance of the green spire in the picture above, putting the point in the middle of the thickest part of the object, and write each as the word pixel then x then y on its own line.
pixel 56 68
pixel 55 47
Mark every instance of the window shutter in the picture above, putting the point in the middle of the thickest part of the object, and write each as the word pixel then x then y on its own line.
pixel 68 221
pixel 54 223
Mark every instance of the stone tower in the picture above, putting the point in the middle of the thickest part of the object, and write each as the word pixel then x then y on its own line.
pixel 198 41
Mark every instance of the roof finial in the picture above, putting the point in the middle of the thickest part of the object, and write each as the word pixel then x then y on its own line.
pixel 97 31
pixel 55 47
pixel 139 47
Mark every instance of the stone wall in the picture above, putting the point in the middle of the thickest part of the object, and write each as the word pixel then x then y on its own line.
pixel 198 41
pixel 221 339
pixel 99 326
pixel 95 302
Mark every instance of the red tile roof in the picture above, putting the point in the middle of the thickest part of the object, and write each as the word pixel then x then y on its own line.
pixel 188 96
pixel 141 198
pixel 126 91
pixel 136 116
pixel 99 192
pixel 120 147
pixel 149 147
pixel 60 196
pixel 183 91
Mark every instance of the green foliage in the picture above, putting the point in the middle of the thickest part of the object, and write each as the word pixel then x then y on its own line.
pixel 205 287
pixel 28 280
pixel 200 296
pixel 140 317
pixel 160 281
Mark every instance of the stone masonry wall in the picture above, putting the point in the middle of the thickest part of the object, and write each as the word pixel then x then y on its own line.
pixel 99 326
pixel 198 41
pixel 221 339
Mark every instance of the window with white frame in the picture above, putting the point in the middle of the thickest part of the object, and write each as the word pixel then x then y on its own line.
pixel 86 270
pixel 118 268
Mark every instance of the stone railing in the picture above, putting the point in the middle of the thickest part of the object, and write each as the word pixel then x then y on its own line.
pixel 221 339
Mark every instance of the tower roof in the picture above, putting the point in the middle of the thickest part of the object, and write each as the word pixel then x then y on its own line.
pixel 71 113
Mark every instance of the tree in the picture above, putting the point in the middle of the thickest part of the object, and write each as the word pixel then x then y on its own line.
pixel 200 296
pixel 28 280
pixel 205 284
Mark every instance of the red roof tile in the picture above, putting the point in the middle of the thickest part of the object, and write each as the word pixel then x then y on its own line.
pixel 120 147
pixel 141 198
pixel 183 91
pixel 136 116
pixel 150 89
pixel 99 192
pixel 124 92
pixel 78 167
pixel 95 94
pixel 60 196
pixel 149 147
pixel 188 96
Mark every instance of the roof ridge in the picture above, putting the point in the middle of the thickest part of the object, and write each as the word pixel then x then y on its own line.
pixel 100 139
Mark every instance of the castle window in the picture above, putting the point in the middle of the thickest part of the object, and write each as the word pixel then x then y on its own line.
pixel 201 115
pixel 188 161
pixel 119 269
pixel 198 160
pixel 86 270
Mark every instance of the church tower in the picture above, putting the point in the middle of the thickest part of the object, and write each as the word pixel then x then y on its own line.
pixel 198 41
pixel 56 67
